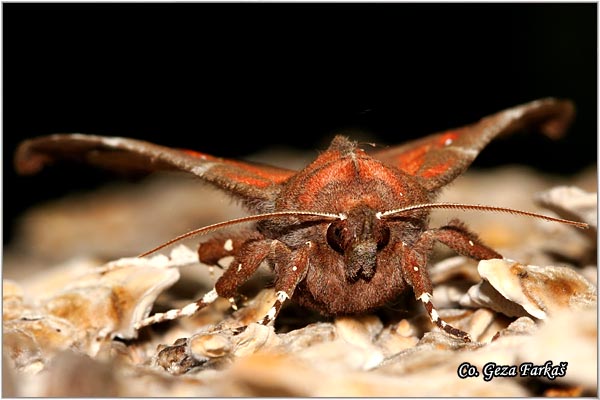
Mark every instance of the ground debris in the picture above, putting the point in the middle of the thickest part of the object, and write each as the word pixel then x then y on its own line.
pixel 69 329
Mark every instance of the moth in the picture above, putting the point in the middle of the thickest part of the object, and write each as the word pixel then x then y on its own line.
pixel 346 234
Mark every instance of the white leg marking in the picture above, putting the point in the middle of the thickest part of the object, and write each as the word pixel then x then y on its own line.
pixel 210 296
pixel 425 297
pixel 228 245
pixel 190 309
pixel 434 315
pixel 232 302
pixel 271 313
pixel 282 296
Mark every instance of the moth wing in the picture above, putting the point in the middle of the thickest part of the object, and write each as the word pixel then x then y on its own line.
pixel 439 158
pixel 250 181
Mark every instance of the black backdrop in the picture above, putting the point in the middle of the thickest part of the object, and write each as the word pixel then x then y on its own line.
pixel 197 75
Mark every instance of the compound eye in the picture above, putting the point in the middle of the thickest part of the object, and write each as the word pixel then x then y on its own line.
pixel 334 236
pixel 383 240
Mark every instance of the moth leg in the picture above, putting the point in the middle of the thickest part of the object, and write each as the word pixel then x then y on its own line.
pixel 456 236
pixel 414 267
pixel 220 246
pixel 243 266
pixel 290 267
pixel 251 255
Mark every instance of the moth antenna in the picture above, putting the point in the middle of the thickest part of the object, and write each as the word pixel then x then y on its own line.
pixel 478 207
pixel 210 228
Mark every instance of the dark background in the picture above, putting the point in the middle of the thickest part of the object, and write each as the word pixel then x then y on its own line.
pixel 196 75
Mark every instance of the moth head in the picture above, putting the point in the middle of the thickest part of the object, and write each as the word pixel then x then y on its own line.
pixel 358 237
pixel 361 233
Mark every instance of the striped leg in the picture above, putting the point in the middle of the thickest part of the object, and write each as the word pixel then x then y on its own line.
pixel 251 254
pixel 435 318
pixel 290 268
pixel 175 313
pixel 456 236
pixel 414 266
